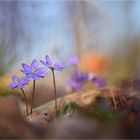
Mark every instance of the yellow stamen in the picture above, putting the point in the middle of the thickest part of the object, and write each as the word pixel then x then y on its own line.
pixel 33 71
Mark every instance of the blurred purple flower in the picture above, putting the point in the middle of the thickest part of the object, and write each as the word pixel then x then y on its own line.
pixel 98 83
pixel 73 60
pixel 79 76
pixel 33 71
pixel 74 85
pixel 77 80
pixel 50 65
pixel 18 83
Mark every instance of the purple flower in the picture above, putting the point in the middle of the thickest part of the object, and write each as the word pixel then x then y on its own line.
pixel 77 80
pixel 79 76
pixel 73 61
pixel 98 83
pixel 34 71
pixel 74 85
pixel 50 65
pixel 18 83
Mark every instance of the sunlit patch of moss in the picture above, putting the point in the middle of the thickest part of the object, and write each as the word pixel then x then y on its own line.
pixel 70 108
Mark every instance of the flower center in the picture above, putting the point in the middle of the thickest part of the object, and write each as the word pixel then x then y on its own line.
pixel 17 82
pixel 52 65
pixel 34 71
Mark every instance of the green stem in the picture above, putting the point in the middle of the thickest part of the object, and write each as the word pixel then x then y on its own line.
pixel 54 91
pixel 33 93
pixel 25 101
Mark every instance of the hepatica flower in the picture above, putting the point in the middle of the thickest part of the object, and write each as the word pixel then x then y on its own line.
pixel 53 66
pixel 77 80
pixel 79 76
pixel 18 83
pixel 34 71
pixel 48 63
pixel 74 85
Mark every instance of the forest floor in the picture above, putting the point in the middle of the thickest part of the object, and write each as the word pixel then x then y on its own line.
pixel 108 112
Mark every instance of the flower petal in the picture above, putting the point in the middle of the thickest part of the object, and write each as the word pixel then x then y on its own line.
pixel 44 63
pixel 78 87
pixel 24 80
pixel 73 60
pixel 26 67
pixel 13 85
pixel 74 85
pixel 48 60
pixel 58 66
pixel 34 64
pixel 15 78
pixel 35 77
pixel 20 85
pixel 98 83
pixel 29 76
pixel 42 72
pixel 26 72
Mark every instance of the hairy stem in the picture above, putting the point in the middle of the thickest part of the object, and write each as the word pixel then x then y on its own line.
pixel 33 93
pixel 55 98
pixel 25 101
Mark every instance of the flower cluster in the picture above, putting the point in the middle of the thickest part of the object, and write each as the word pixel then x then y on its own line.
pixel 78 78
pixel 35 72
